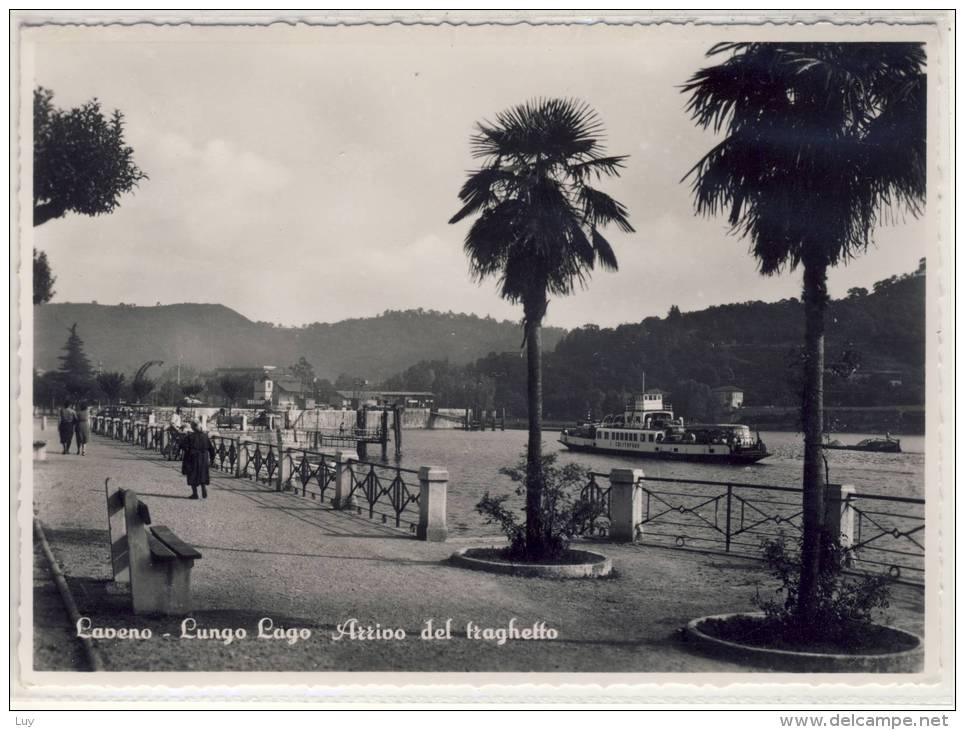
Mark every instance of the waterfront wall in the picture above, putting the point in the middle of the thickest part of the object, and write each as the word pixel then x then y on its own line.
pixel 327 419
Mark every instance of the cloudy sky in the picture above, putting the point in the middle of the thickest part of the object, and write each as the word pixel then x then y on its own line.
pixel 301 175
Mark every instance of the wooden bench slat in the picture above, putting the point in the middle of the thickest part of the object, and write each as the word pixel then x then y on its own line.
pixel 175 543
pixel 159 551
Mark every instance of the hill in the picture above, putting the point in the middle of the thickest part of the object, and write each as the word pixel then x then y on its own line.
pixel 207 336
pixel 875 354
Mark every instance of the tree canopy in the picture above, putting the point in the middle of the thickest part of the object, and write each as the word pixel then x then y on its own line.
pixel 43 279
pixel 81 161
pixel 822 139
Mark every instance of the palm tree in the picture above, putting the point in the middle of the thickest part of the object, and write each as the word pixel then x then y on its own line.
pixel 823 139
pixel 538 231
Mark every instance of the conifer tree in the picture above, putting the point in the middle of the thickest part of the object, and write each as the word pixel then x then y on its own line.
pixel 76 368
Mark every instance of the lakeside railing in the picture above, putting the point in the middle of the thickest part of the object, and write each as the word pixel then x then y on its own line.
pixel 885 533
pixel 399 497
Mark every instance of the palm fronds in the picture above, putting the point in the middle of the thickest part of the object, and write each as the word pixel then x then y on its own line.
pixel 537 217
pixel 823 139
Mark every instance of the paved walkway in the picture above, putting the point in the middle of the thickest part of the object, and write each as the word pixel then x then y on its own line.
pixel 276 555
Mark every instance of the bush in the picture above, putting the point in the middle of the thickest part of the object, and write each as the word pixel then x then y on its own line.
pixel 841 606
pixel 565 513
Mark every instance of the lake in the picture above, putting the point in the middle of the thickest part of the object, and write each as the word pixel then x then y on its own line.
pixel 474 458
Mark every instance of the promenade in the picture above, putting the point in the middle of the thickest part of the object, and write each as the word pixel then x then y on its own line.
pixel 276 555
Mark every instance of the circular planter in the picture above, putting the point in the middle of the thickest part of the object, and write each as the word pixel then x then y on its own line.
pixel 592 565
pixel 905 661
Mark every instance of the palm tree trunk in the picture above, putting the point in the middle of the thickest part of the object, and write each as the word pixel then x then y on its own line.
pixel 535 530
pixel 815 303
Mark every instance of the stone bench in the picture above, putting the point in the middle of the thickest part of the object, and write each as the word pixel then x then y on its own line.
pixel 151 558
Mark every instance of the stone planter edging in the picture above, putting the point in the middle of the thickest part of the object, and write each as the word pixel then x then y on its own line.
pixel 906 661
pixel 600 567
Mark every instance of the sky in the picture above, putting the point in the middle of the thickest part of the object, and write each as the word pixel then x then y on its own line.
pixel 307 175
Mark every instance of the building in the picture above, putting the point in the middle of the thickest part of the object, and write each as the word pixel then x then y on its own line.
pixel 729 396
pixel 386 398
pixel 292 393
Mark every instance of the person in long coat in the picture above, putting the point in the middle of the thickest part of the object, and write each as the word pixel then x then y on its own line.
pixel 82 428
pixel 198 454
pixel 66 426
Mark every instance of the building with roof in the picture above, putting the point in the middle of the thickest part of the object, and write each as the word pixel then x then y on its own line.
pixel 729 396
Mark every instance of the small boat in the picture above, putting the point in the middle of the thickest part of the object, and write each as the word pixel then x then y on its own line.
pixel 879 444
pixel 648 430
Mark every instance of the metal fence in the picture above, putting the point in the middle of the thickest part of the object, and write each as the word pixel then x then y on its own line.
pixel 311 474
pixel 387 493
pixel 373 482
pixel 885 533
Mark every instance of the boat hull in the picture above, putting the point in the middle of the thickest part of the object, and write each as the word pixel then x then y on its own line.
pixel 896 449
pixel 743 457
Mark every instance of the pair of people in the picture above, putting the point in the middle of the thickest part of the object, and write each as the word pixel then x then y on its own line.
pixel 197 455
pixel 74 424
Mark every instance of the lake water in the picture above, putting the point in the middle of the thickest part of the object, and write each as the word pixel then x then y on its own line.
pixel 474 458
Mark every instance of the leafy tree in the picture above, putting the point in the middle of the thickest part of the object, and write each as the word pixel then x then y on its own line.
pixel 233 386
pixel 694 401
pixel 305 372
pixel 49 388
pixel 191 390
pixel 111 383
pixel 75 367
pixel 81 162
pixel 821 138
pixel 538 231
pixel 43 279
pixel 141 388
pixel 170 393
pixel 857 291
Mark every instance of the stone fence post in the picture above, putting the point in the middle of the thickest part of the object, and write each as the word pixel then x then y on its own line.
pixel 626 504
pixel 433 483
pixel 839 514
pixel 343 481
pixel 280 455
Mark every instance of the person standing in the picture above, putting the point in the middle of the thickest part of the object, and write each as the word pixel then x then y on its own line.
pixel 198 455
pixel 82 428
pixel 66 426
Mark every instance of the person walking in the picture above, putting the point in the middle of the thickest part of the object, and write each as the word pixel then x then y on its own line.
pixel 82 428
pixel 198 455
pixel 66 426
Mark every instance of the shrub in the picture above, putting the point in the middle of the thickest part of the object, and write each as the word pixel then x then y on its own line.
pixel 842 604
pixel 565 513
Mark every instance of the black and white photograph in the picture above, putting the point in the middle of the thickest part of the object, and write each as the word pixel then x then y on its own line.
pixel 594 351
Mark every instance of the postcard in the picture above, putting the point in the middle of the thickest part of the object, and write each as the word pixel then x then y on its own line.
pixel 574 358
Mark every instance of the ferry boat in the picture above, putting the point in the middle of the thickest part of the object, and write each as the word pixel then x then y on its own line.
pixel 647 429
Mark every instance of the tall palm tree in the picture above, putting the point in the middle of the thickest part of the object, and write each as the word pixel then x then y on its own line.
pixel 538 231
pixel 823 141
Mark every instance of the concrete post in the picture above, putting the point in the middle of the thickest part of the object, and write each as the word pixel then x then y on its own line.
pixel 433 483
pixel 839 514
pixel 43 423
pixel 626 505
pixel 203 419
pixel 244 423
pixel 280 469
pixel 237 443
pixel 343 481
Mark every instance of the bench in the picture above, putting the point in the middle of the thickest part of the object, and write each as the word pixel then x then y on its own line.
pixel 151 558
